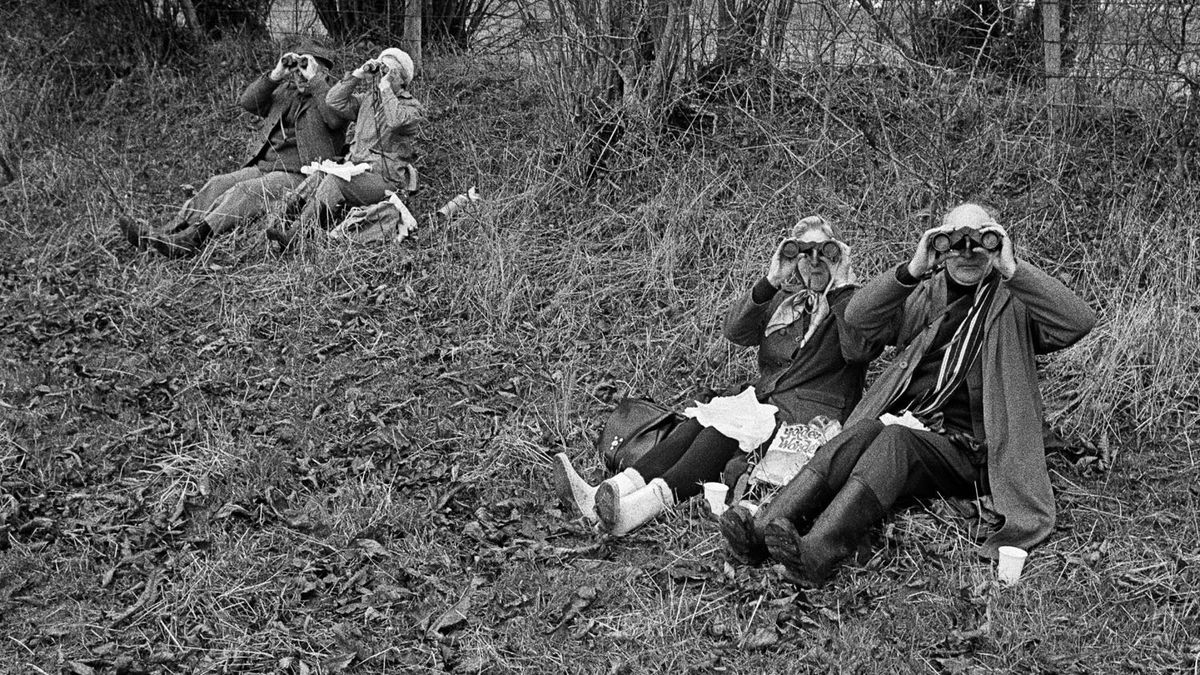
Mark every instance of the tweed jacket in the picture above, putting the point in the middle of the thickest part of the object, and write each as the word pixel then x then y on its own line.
pixel 825 377
pixel 1032 314
pixel 320 131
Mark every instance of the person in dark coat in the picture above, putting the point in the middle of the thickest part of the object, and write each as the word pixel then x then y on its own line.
pixel 299 127
pixel 811 364
pixel 956 413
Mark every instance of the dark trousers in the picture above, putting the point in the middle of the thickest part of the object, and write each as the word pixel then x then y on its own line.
pixel 332 193
pixel 689 456
pixel 896 461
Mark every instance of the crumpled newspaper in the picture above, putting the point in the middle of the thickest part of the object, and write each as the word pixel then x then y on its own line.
pixel 345 171
pixel 905 420
pixel 741 418
pixel 794 445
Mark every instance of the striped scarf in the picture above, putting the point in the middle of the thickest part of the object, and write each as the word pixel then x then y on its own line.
pixel 961 353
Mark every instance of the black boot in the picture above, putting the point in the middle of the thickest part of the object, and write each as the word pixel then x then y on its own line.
pixel 184 244
pixel 132 232
pixel 813 557
pixel 799 502
pixel 743 540
pixel 283 237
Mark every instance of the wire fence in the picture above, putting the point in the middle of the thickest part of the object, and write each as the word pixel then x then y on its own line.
pixel 1086 50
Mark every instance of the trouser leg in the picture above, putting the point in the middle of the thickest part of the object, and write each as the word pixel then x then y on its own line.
pixel 249 199
pixel 195 209
pixel 366 188
pixel 701 463
pixel 667 452
pixel 322 207
pixel 905 462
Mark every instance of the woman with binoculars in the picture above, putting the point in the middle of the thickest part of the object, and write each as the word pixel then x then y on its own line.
pixel 811 364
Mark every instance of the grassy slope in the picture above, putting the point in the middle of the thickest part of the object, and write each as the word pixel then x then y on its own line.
pixel 308 464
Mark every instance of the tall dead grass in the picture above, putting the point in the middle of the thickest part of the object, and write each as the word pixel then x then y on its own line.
pixel 317 403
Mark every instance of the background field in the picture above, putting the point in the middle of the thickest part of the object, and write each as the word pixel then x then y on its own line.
pixel 337 461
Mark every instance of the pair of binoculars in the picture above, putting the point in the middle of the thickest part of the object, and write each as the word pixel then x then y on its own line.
pixel 375 67
pixel 964 238
pixel 290 61
pixel 828 250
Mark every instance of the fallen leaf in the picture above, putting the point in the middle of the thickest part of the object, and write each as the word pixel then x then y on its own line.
pixel 455 616
pixel 580 600
pixel 372 548
pixel 763 638
pixel 338 662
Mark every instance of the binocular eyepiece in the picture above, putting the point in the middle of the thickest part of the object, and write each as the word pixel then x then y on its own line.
pixel 290 61
pixel 375 67
pixel 964 238
pixel 829 250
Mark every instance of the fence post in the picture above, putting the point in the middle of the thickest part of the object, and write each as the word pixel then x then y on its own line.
pixel 1052 51
pixel 411 42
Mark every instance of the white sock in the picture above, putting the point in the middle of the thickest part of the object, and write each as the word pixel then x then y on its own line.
pixel 628 481
pixel 640 507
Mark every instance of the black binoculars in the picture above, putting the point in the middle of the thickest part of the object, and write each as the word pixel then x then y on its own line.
pixel 374 67
pixel 964 238
pixel 290 61
pixel 828 250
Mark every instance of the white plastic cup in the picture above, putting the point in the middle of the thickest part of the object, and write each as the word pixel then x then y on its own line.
pixel 715 494
pixel 1012 560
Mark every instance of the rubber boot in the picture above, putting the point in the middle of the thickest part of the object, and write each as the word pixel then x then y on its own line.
pixel 637 508
pixel 743 540
pixel 183 244
pixel 573 491
pixel 799 502
pixel 282 236
pixel 813 557
pixel 609 492
pixel 132 232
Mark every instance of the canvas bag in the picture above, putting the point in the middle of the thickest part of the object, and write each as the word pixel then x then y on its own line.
pixel 386 221
pixel 635 426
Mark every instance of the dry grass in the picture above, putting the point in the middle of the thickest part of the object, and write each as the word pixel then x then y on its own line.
pixel 301 464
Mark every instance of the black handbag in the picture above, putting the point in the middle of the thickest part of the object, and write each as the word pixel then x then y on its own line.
pixel 635 426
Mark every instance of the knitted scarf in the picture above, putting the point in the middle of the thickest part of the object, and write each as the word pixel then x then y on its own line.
pixel 964 348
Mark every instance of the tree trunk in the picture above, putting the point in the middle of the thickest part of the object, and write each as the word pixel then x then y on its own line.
pixel 190 18
pixel 411 41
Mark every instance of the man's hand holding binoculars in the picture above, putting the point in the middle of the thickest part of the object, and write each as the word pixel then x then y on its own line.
pixel 946 241
pixel 305 65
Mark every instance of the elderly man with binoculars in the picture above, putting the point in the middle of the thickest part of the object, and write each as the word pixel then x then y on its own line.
pixel 957 412
pixel 299 127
